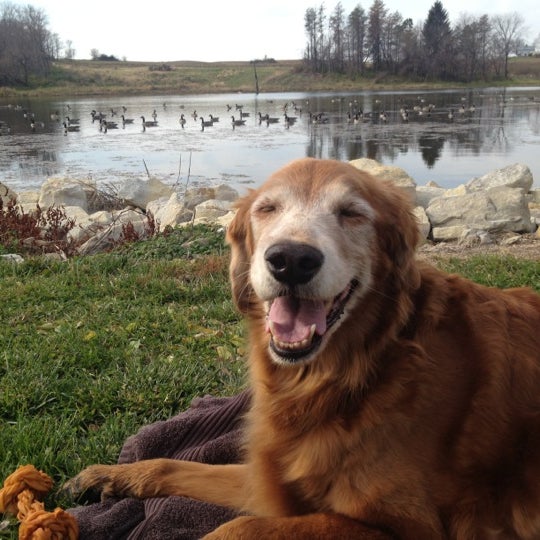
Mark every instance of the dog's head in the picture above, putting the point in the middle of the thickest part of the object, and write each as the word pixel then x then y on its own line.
pixel 310 245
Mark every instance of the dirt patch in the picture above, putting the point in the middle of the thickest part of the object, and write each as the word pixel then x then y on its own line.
pixel 523 246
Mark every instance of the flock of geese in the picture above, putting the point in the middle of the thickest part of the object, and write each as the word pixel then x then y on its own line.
pixel 341 112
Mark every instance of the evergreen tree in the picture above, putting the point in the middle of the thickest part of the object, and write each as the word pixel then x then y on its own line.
pixel 437 40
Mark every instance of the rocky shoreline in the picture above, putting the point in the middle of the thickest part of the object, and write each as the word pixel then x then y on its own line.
pixel 498 212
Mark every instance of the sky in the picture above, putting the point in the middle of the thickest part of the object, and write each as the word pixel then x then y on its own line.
pixel 217 30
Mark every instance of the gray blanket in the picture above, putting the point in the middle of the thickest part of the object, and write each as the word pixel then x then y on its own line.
pixel 210 431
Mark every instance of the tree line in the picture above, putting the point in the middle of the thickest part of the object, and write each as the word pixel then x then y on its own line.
pixel 374 40
pixel 27 47
pixel 379 41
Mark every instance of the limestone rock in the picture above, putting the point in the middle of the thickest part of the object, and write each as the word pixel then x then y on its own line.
pixel 63 192
pixel 513 176
pixel 388 172
pixel 140 192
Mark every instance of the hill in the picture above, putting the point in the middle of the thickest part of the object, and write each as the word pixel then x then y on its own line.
pixel 95 77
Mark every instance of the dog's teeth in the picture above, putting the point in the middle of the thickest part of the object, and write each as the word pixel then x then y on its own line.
pixel 294 345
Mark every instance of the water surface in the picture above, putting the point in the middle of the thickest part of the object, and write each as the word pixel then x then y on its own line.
pixel 489 129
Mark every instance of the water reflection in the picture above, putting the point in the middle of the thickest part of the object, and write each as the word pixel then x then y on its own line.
pixel 448 137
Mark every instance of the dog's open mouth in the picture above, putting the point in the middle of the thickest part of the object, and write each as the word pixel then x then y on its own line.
pixel 297 326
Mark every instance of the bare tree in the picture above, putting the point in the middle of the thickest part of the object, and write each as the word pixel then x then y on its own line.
pixel 69 51
pixel 337 39
pixel 506 31
pixel 24 44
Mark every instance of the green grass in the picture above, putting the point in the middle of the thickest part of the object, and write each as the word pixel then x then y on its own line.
pixel 93 348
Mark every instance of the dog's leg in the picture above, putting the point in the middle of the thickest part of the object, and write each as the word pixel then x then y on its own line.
pixel 218 484
pixel 307 527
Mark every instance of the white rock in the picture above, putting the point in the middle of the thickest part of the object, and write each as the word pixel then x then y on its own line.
pixel 140 192
pixel 62 192
pixel 211 210
pixel 513 176
pixel 388 172
pixel 423 222
pixel 169 212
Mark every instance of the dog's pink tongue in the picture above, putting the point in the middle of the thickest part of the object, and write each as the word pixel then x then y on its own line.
pixel 292 318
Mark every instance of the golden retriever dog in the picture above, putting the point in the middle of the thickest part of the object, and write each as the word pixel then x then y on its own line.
pixel 390 399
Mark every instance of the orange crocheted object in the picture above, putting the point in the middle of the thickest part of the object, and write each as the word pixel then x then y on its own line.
pixel 20 496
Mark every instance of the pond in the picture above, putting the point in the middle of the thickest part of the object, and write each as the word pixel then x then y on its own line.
pixel 447 137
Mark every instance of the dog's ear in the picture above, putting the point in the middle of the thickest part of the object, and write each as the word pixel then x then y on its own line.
pixel 239 237
pixel 399 232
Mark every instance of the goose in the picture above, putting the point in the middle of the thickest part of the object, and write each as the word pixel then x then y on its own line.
pixel 244 114
pixel 72 121
pixel 205 123
pixel 70 128
pixel 214 118
pixel 154 115
pixel 290 120
pixel 182 120
pixel 34 124
pixel 109 124
pixel 126 120
pixel 268 119
pixel 239 122
pixel 96 116
pixel 148 123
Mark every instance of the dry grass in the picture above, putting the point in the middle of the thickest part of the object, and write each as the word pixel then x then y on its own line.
pixel 91 77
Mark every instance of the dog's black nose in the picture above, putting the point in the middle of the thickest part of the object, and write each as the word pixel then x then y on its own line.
pixel 293 263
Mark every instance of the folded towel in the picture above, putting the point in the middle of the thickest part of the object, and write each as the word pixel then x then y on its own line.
pixel 210 431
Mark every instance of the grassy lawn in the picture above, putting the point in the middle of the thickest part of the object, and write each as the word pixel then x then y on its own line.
pixel 93 348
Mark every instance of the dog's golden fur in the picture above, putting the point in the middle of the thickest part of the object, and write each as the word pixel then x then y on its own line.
pixel 390 400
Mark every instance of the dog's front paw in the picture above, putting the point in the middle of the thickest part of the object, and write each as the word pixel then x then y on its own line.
pixel 97 481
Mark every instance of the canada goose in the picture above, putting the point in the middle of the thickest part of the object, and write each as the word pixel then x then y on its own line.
pixel 289 120
pixel 194 115
pixel 34 124
pixel 126 120
pixel 70 128
pixel 110 124
pixel 239 122
pixel 148 123
pixel 214 118
pixel 244 114
pixel 205 123
pixel 72 121
pixel 268 119
pixel 96 116
pixel 314 118
pixel 182 120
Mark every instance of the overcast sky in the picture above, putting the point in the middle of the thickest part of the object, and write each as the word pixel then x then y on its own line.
pixel 167 30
